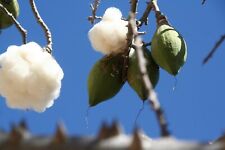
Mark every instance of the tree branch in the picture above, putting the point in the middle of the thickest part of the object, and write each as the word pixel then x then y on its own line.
pixel 152 97
pixel 144 18
pixel 94 8
pixel 133 9
pixel 134 4
pixel 216 46
pixel 48 34
pixel 22 31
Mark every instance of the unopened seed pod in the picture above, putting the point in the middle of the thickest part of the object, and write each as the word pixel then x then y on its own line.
pixel 169 49
pixel 134 76
pixel 13 7
pixel 105 79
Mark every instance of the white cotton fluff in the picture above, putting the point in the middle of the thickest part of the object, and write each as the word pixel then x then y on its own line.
pixel 110 34
pixel 30 78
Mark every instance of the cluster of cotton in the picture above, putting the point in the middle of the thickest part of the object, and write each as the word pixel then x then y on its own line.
pixel 110 34
pixel 30 78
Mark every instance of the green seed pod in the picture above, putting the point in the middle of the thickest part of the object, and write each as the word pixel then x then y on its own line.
pixel 105 79
pixel 13 7
pixel 134 76
pixel 169 49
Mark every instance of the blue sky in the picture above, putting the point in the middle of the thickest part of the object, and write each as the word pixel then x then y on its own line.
pixel 195 110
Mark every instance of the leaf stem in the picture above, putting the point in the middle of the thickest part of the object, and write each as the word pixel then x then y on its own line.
pixel 48 34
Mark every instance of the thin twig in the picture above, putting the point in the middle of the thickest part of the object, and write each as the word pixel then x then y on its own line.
pixel 94 8
pixel 216 46
pixel 134 4
pixel 155 5
pixel 126 54
pixel 150 6
pixel 203 2
pixel 144 18
pixel 22 31
pixel 48 34
pixel 152 97
pixel 133 9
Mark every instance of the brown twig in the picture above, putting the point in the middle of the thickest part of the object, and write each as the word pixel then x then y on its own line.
pixel 152 97
pixel 48 34
pixel 126 54
pixel 94 8
pixel 155 6
pixel 150 6
pixel 133 9
pixel 22 31
pixel 134 4
pixel 144 18
pixel 216 46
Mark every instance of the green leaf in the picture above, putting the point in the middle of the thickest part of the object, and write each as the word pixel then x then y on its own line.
pixel 105 79
pixel 169 49
pixel 134 76
pixel 13 7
